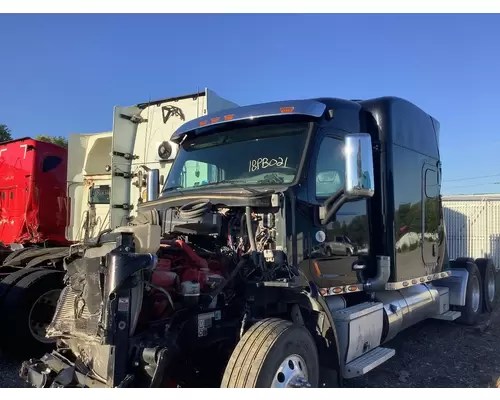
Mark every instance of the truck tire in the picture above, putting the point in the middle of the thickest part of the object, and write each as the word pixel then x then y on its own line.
pixel 34 299
pixel 273 353
pixel 474 294
pixel 488 275
pixel 7 283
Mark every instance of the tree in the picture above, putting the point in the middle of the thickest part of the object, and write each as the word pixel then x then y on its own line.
pixel 5 133
pixel 59 140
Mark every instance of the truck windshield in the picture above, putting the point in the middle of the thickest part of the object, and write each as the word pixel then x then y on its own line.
pixel 257 155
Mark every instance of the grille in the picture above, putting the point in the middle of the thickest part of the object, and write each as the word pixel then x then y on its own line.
pixel 72 317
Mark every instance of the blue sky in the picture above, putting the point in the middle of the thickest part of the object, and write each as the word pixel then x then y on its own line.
pixel 63 74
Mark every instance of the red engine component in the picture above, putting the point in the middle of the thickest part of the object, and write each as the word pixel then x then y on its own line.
pixel 207 279
pixel 164 276
pixel 178 263
pixel 193 257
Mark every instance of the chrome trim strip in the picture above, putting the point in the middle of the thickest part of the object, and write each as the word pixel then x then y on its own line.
pixel 311 108
pixel 336 290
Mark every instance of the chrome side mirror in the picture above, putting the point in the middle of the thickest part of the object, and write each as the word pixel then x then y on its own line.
pixel 359 176
pixel 152 184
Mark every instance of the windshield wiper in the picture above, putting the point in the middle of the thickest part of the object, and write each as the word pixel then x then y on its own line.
pixel 272 178
pixel 235 183
pixel 176 188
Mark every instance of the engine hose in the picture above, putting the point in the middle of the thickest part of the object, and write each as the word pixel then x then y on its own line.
pixel 251 238
pixel 101 234
pixel 195 209
pixel 164 291
pixel 223 285
pixel 242 221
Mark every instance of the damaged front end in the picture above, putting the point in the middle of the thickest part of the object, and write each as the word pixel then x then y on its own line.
pixel 97 315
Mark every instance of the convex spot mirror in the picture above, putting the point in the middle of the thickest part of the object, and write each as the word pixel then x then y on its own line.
pixel 358 158
pixel 330 176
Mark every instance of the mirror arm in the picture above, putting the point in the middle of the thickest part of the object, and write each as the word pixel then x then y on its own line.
pixel 335 207
pixel 333 198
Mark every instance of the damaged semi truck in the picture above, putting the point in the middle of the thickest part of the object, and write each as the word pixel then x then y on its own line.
pixel 33 215
pixel 48 204
pixel 223 279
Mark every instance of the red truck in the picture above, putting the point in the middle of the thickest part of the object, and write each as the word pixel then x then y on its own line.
pixel 33 218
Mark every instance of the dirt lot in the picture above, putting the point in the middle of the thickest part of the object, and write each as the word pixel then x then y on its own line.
pixel 430 354
pixel 441 354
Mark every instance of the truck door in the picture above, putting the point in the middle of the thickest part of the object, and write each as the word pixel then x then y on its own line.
pixel 430 217
pixel 10 214
pixel 88 185
pixel 15 174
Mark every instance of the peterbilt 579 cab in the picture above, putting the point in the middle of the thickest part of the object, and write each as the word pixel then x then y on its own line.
pixel 223 280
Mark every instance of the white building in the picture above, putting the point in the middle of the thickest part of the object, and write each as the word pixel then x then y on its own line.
pixel 473 226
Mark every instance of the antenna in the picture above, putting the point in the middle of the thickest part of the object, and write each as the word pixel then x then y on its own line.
pixel 198 101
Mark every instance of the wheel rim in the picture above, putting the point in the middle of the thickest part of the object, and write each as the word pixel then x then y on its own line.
pixel 476 294
pixel 491 285
pixel 292 373
pixel 41 314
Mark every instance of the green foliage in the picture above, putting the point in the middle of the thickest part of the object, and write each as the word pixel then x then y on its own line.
pixel 59 140
pixel 5 133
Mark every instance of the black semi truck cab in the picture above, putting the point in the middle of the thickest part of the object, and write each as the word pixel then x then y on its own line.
pixel 316 222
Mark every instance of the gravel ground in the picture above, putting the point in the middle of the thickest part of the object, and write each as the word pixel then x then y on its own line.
pixel 429 354
pixel 9 377
pixel 442 354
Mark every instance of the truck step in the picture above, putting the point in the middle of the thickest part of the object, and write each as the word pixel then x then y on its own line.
pixel 367 362
pixel 448 316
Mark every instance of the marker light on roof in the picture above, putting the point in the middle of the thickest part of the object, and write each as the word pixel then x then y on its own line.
pixel 287 109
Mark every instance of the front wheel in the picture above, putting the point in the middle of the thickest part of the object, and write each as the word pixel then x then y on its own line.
pixel 273 353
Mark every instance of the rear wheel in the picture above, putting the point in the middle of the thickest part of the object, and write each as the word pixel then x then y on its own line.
pixel 34 299
pixel 273 353
pixel 10 281
pixel 488 275
pixel 474 294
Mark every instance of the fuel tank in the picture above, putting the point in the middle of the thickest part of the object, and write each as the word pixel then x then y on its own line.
pixel 406 307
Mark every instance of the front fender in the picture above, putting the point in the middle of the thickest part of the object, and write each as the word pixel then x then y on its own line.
pixel 325 327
